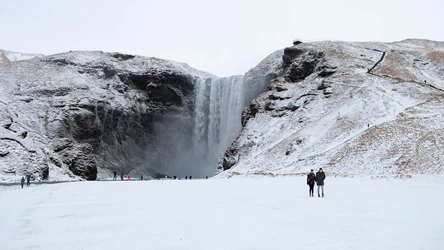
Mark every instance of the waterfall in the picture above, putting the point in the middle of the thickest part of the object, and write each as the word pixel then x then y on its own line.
pixel 217 118
pixel 192 144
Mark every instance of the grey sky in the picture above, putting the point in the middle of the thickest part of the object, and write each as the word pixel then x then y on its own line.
pixel 222 37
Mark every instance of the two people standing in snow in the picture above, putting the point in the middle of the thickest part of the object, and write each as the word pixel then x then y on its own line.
pixel 28 181
pixel 318 179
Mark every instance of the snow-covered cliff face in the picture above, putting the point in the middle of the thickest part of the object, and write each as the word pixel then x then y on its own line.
pixel 76 113
pixel 350 108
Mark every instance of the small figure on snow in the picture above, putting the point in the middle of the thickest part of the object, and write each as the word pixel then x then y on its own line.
pixel 28 180
pixel 320 177
pixel 141 177
pixel 311 182
pixel 186 177
pixel 191 177
pixel 129 177
pixel 22 181
pixel 115 175
pixel 121 176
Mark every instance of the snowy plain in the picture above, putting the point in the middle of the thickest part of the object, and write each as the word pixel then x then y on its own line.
pixel 236 213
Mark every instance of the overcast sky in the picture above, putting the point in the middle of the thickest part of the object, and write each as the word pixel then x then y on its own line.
pixel 222 37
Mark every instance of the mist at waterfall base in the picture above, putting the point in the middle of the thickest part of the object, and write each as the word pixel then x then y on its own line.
pixel 192 143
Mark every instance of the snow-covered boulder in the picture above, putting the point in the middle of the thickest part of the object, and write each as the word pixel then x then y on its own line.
pixel 350 108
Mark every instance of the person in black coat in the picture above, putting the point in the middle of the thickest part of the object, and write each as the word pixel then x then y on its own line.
pixel 311 182
pixel 320 177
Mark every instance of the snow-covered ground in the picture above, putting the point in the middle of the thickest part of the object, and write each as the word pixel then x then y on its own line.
pixel 237 213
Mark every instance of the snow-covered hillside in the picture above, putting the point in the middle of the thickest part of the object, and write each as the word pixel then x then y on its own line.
pixel 9 56
pixel 351 108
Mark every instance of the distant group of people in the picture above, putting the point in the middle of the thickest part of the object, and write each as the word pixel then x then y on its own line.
pixel 317 178
pixel 186 177
pixel 28 181
pixel 179 177
pixel 121 176
pixel 141 177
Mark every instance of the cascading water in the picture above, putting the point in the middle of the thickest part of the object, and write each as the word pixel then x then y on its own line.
pixel 218 109
pixel 193 144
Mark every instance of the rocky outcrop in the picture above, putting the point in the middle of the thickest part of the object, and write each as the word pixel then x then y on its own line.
pixel 259 77
pixel 351 108
pixel 293 64
pixel 79 113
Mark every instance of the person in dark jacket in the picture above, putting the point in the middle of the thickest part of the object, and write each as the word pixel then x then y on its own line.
pixel 115 175
pixel 22 181
pixel 121 176
pixel 311 182
pixel 320 177
pixel 28 180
